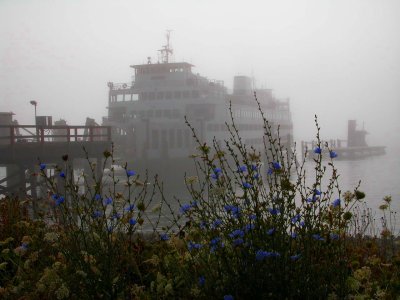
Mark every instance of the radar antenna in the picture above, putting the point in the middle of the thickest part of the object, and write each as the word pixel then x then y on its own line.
pixel 166 49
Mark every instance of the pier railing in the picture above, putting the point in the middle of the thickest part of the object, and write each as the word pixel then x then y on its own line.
pixel 12 134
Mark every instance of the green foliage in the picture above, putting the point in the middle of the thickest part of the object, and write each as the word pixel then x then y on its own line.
pixel 256 230
pixel 253 229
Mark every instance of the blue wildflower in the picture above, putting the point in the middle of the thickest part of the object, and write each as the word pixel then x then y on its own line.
pixel 216 223
pixel 42 167
pixel 62 174
pixel 234 210
pixel 192 246
pixel 54 196
pixel 24 246
pixel 247 185
pixel 242 169
pixel 302 223
pixel 311 200
pixel 271 231
pixel 317 237
pixel 276 165
pixel 334 236
pixel 273 211
pixel 317 192
pixel 130 207
pixel 132 221
pixel 59 200
pixel 295 219
pixel 238 242
pixel 261 255
pixel 130 173
pixel 228 208
pixel 164 237
pixel 228 297
pixel 249 227
pixel 317 150
pixel 254 167
pixel 252 217
pixel 215 241
pixel 116 216
pixel 237 233
pixel 97 197
pixel 185 208
pixel 203 225
pixel 295 257
pixel 214 176
pixel 202 280
pixel 107 201
pixel 256 176
pixel 336 203
pixel 96 214
pixel 217 171
pixel 270 171
pixel 332 154
pixel 293 235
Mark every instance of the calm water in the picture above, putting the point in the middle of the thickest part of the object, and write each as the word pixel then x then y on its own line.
pixel 379 175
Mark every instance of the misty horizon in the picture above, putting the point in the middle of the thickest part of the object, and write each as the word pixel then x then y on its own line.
pixel 338 60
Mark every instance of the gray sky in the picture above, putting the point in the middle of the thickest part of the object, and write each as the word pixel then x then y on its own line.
pixel 338 59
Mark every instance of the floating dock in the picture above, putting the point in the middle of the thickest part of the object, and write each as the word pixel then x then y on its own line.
pixel 355 147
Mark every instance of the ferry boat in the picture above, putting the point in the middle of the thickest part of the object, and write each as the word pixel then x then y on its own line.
pixel 147 114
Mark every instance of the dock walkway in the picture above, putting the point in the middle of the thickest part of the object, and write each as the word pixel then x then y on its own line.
pixel 22 147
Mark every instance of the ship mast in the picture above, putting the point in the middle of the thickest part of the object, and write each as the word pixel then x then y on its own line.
pixel 166 49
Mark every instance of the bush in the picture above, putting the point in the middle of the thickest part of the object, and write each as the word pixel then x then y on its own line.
pixel 256 230
pixel 253 229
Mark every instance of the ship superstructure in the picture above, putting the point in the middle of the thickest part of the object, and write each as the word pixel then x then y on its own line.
pixel 148 114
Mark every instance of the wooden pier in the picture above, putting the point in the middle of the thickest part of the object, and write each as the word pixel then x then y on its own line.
pixel 343 153
pixel 355 147
pixel 22 147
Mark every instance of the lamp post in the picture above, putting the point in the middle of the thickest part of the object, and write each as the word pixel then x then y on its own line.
pixel 34 103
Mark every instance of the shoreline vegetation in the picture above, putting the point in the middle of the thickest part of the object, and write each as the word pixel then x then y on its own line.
pixel 251 229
